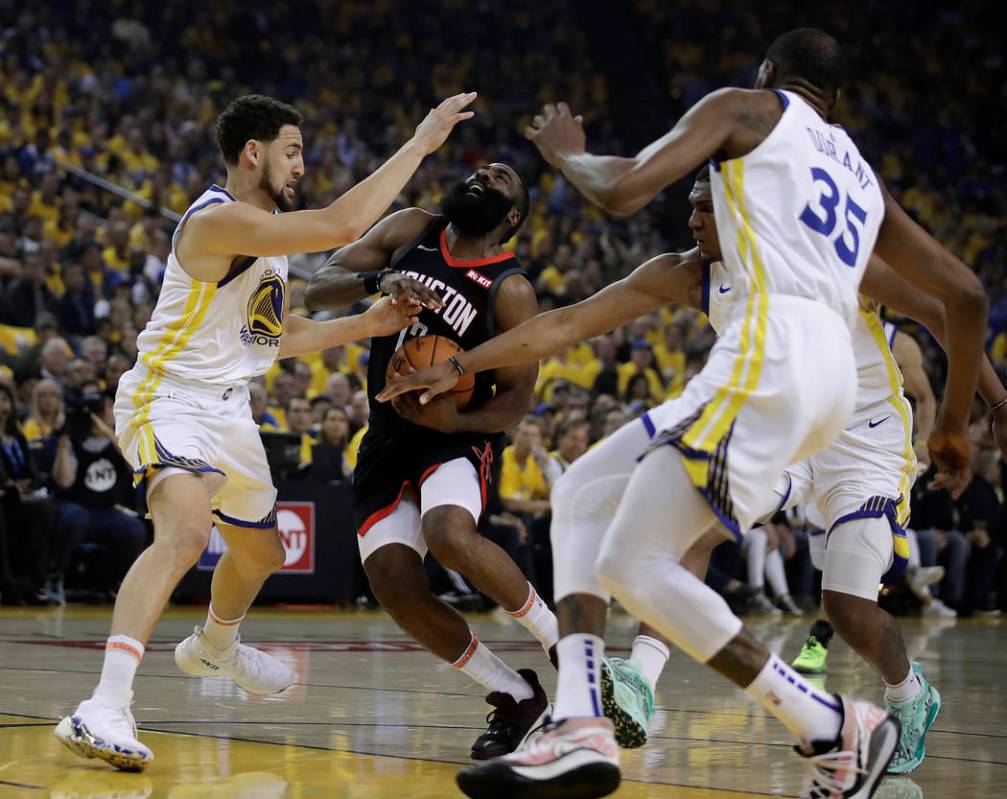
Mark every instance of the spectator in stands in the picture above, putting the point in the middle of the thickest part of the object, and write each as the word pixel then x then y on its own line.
pixel 571 442
pixel 75 308
pixel 94 492
pixel 26 509
pixel 319 405
pixel 115 367
pixel 45 414
pixel 299 422
pixel 328 457
pixel 55 360
pixel 27 295
pixel 762 550
pixel 338 389
pixel 259 401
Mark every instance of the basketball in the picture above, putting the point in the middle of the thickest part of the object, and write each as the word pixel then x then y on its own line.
pixel 424 351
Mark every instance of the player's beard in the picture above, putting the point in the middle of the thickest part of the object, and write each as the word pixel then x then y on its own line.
pixel 475 216
pixel 276 195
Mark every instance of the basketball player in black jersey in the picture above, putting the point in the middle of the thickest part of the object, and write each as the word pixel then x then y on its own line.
pixel 420 481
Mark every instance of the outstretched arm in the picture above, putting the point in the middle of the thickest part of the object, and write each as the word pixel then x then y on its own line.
pixel 346 276
pixel 301 336
pixel 909 357
pixel 730 122
pixel 893 290
pixel 215 236
pixel 667 278
pixel 913 253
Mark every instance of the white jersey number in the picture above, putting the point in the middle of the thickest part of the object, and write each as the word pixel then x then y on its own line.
pixel 823 220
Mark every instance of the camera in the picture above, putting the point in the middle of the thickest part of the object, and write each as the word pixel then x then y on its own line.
pixel 79 405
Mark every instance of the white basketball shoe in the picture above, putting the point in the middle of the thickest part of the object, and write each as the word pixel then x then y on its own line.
pixel 99 730
pixel 253 671
pixel 852 766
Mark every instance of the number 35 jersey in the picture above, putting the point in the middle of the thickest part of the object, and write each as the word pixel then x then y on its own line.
pixel 799 215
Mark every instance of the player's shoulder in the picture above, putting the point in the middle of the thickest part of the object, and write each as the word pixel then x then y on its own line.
pixel 404 227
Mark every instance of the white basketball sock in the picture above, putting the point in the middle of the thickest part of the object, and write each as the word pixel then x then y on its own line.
pixel 492 673
pixel 810 714
pixel 536 617
pixel 776 574
pixel 122 655
pixel 220 632
pixel 651 654
pixel 578 689
pixel 906 690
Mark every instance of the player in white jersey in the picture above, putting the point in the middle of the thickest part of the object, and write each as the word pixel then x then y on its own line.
pixel 798 211
pixel 182 413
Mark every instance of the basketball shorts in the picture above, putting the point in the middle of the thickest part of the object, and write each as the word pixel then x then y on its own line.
pixel 399 478
pixel 867 472
pixel 779 385
pixel 169 425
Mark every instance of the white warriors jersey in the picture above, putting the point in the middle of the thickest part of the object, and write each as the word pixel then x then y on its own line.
pixel 878 375
pixel 220 333
pixel 799 214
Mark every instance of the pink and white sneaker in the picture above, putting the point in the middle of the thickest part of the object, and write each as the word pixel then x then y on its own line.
pixel 573 759
pixel 852 766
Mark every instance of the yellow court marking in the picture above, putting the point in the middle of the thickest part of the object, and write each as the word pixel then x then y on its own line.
pixel 190 766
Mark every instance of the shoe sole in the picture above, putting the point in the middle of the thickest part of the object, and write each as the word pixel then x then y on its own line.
pixel 78 739
pixel 499 781
pixel 542 719
pixel 808 669
pixel 881 750
pixel 915 763
pixel 628 733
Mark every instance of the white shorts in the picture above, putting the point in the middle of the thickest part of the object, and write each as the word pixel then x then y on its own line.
pixel 453 483
pixel 868 472
pixel 170 425
pixel 777 387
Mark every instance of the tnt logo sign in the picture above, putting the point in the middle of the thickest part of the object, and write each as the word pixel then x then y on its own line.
pixel 296 522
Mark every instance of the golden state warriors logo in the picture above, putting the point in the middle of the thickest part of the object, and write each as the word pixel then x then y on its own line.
pixel 265 312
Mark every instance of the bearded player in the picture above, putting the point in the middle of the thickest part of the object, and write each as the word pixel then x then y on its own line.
pixel 421 477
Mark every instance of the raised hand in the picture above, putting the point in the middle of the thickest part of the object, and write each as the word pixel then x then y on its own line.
pixel 557 133
pixel 402 288
pixel 951 452
pixel 436 379
pixel 386 317
pixel 434 130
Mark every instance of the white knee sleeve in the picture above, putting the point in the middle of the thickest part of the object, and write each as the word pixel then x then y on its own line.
pixel 584 502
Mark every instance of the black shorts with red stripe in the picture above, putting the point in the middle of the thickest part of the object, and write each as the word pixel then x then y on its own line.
pixel 390 465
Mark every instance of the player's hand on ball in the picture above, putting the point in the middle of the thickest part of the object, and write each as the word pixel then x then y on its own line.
pixel 437 379
pixel 434 130
pixel 440 414
pixel 385 317
pixel 402 288
pixel 951 452
pixel 557 133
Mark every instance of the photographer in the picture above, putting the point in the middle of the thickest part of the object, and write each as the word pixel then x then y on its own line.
pixel 93 481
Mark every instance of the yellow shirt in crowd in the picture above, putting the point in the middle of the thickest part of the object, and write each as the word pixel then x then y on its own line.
pixel 521 481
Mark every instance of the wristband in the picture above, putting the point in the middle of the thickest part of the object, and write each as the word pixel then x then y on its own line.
pixel 372 280
pixel 458 367
pixel 998 405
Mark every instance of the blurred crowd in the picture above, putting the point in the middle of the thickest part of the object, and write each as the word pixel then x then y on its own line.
pixel 128 92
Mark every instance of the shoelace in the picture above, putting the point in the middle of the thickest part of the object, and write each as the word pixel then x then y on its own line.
pixel 824 783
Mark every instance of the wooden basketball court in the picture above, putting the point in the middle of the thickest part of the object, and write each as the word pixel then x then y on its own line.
pixel 373 716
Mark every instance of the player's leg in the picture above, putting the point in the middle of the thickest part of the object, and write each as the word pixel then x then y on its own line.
pixel 451 503
pixel 246 518
pixel 392 549
pixel 815 649
pixel 858 552
pixel 103 726
pixel 215 649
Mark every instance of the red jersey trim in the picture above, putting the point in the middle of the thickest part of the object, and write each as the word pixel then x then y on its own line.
pixel 493 259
